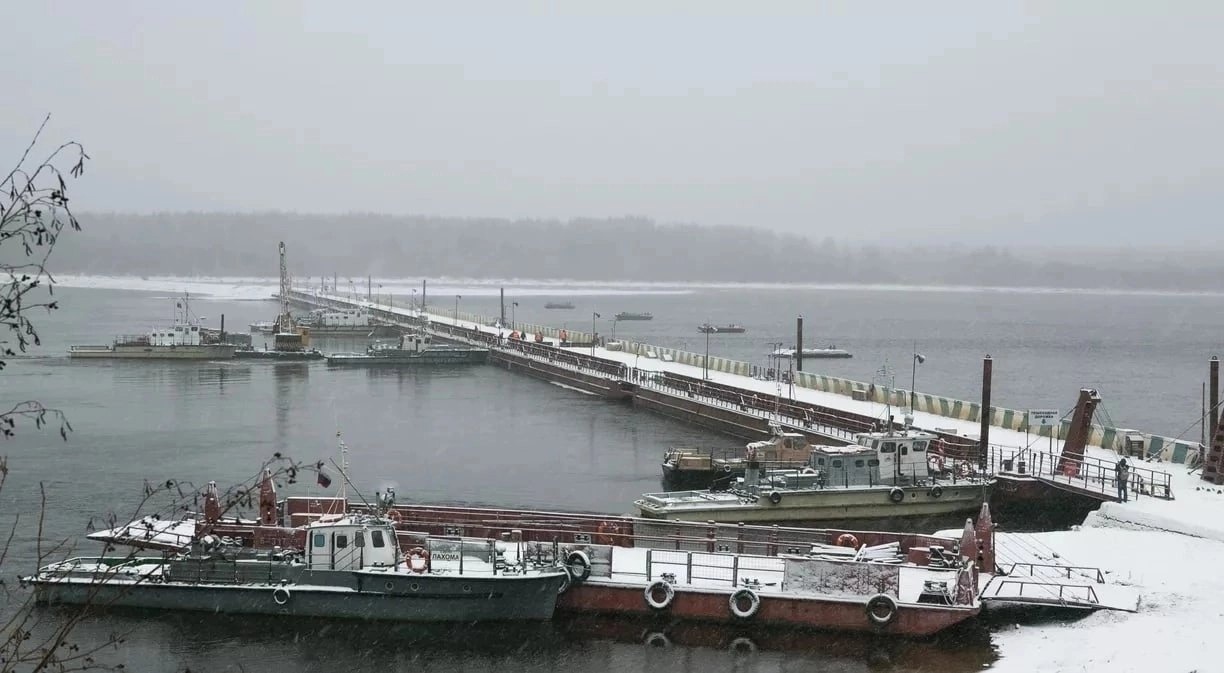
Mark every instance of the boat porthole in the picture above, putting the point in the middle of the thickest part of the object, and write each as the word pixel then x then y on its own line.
pixel 414 586
pixel 913 495
pixel 955 492
pixel 467 588
pixel 390 586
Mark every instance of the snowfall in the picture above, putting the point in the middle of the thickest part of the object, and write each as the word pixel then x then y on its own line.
pixel 1171 552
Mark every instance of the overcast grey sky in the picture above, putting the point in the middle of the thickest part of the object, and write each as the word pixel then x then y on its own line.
pixel 1075 122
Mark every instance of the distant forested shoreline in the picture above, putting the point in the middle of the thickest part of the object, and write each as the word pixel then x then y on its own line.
pixel 616 249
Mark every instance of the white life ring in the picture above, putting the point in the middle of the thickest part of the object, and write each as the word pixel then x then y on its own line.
pixel 896 495
pixel 742 644
pixel 881 609
pixel 583 563
pixel 657 639
pixel 566 581
pixel 808 470
pixel 281 595
pixel 669 594
pixel 754 603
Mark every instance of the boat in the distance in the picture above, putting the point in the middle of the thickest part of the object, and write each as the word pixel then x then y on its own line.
pixel 884 475
pixel 626 315
pixel 411 349
pixel 185 339
pixel 722 329
pixel 352 567
pixel 559 305
pixel 826 352
pixel 263 327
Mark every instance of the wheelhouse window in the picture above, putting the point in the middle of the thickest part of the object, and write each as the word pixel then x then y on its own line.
pixel 889 447
pixel 341 541
pixel 837 463
pixel 858 463
pixel 920 446
pixel 320 540
pixel 376 537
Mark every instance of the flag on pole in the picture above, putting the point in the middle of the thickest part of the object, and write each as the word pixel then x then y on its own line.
pixel 596 315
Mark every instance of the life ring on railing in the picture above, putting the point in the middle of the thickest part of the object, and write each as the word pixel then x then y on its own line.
pixel 808 470
pixel 896 495
pixel 566 582
pixel 418 560
pixel 936 491
pixel 669 594
pixel 775 497
pixel 847 540
pixel 963 470
pixel 736 600
pixel 281 595
pixel 579 566
pixel 881 609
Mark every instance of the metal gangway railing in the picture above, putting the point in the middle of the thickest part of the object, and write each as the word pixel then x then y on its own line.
pixel 1086 474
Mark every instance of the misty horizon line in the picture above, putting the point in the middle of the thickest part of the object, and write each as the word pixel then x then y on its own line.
pixel 923 239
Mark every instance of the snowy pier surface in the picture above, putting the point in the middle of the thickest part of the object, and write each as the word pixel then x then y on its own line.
pixel 1168 553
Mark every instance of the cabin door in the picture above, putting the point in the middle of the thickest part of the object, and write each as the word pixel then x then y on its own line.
pixel 888 462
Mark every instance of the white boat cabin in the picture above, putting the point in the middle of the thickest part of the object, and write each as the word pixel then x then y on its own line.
pixel 345 317
pixel 182 334
pixel 350 543
pixel 901 456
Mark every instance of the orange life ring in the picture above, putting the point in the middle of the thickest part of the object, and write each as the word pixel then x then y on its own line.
pixel 847 540
pixel 421 554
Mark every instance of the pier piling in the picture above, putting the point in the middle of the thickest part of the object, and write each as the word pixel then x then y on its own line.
pixel 984 445
pixel 799 344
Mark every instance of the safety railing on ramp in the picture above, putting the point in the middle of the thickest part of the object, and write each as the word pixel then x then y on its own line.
pixel 1087 475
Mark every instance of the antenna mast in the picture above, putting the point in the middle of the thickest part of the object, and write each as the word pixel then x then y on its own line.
pixel 344 465
pixel 285 320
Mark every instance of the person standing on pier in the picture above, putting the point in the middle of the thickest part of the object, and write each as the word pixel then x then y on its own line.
pixel 1121 473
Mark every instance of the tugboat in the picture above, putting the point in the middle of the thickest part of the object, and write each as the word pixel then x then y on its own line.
pixel 184 340
pixel 884 475
pixel 626 315
pixel 352 567
pixel 411 349
pixel 722 329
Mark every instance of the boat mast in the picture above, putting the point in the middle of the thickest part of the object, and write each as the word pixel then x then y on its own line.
pixel 344 465
pixel 285 320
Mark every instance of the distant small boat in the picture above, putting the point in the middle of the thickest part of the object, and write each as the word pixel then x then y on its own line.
pixel 626 315
pixel 559 304
pixel 722 329
pixel 827 352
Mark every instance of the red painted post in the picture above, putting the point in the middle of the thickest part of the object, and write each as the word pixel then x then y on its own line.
pixel 985 540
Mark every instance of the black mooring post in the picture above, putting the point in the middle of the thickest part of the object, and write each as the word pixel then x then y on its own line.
pixel 799 344
pixel 984 448
pixel 1214 409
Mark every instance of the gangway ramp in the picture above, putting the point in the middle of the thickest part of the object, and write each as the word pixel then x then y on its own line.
pixel 1072 587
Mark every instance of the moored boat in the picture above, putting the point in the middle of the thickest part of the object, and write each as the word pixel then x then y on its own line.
pixel 411 349
pixel 185 339
pixel 836 580
pixel 827 352
pixel 886 475
pixel 700 469
pixel 351 567
pixel 722 329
